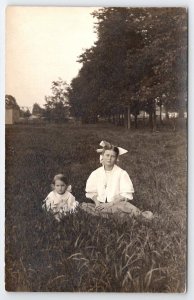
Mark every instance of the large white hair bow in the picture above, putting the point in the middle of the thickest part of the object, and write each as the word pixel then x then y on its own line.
pixel 104 144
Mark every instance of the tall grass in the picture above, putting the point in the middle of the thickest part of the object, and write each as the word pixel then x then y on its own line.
pixel 83 252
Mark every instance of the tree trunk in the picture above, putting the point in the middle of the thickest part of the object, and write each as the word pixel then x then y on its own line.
pixel 114 122
pixel 119 120
pixel 152 116
pixel 151 119
pixel 128 117
pixel 174 121
pixel 122 118
pixel 166 113
pixel 136 121
pixel 154 121
pixel 144 119
pixel 161 121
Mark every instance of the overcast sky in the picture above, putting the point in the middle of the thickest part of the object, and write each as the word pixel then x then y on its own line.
pixel 42 44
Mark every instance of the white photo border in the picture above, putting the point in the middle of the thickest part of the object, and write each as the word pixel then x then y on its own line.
pixel 137 3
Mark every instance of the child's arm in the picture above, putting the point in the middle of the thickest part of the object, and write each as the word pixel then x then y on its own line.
pixel 72 203
pixel 44 203
pixel 96 201
pixel 47 203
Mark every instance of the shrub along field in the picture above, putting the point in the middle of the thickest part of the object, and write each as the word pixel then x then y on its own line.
pixel 83 252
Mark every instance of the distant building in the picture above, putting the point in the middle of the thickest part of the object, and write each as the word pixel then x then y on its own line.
pixel 34 117
pixel 12 114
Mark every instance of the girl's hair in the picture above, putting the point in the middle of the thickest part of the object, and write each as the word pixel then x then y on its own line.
pixel 108 146
pixel 60 177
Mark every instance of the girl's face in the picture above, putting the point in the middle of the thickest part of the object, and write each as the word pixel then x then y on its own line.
pixel 109 158
pixel 60 186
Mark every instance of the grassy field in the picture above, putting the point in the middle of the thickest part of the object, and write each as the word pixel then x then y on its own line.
pixel 83 252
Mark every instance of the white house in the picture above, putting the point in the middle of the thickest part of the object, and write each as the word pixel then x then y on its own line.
pixel 12 115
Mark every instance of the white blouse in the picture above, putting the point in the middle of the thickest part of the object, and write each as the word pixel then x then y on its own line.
pixel 108 184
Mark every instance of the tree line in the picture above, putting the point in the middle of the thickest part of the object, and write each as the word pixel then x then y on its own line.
pixel 138 61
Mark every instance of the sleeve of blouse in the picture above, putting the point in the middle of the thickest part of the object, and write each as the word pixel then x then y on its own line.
pixel 126 186
pixel 72 203
pixel 91 187
pixel 47 203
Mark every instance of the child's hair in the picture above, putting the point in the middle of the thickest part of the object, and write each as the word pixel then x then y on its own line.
pixel 108 146
pixel 61 177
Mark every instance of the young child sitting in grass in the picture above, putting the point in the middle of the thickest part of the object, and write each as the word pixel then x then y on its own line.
pixel 60 201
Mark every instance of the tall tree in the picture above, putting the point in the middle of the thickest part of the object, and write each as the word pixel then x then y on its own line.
pixel 57 105
pixel 11 102
pixel 37 110
pixel 104 65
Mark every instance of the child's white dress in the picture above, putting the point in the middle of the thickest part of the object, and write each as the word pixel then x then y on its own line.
pixel 60 205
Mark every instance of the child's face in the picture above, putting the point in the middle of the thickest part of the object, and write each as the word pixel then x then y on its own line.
pixel 60 187
pixel 109 158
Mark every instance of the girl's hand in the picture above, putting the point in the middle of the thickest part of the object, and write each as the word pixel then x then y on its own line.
pixel 117 198
pixel 94 198
pixel 97 203
pixel 109 204
pixel 100 206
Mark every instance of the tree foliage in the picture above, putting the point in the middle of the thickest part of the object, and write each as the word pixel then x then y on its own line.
pixel 37 110
pixel 25 113
pixel 140 57
pixel 11 102
pixel 57 105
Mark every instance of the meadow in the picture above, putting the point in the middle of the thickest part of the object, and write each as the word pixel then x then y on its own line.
pixel 83 252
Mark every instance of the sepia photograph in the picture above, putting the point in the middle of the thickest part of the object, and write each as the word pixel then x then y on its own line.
pixel 96 143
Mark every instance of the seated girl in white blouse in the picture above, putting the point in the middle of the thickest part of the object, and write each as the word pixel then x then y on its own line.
pixel 110 187
pixel 60 201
